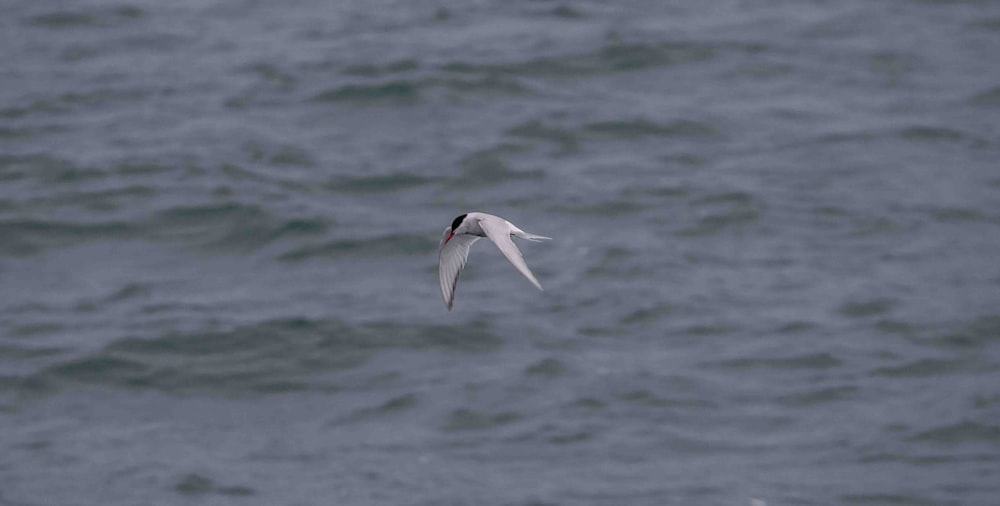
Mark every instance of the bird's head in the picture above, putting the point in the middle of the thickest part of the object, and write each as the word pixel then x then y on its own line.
pixel 455 227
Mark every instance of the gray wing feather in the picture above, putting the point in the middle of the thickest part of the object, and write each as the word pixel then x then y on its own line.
pixel 451 260
pixel 498 230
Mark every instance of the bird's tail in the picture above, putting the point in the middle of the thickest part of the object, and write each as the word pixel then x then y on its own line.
pixel 531 237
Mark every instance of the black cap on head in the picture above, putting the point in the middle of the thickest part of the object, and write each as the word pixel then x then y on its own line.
pixel 457 222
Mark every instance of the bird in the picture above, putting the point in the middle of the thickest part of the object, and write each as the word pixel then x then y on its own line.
pixel 465 230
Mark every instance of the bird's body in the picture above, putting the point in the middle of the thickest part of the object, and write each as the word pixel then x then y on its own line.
pixel 468 228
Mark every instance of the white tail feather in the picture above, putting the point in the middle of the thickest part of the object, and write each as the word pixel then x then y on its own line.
pixel 530 237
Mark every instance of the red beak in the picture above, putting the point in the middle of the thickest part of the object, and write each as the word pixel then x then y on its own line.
pixel 449 237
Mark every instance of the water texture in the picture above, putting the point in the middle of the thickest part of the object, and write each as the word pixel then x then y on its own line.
pixel 774 278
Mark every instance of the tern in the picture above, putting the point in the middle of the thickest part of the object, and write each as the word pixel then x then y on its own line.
pixel 468 228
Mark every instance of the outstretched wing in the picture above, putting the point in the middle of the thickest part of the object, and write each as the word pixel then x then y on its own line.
pixel 498 230
pixel 452 257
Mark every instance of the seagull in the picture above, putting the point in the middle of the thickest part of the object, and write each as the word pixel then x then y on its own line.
pixel 468 228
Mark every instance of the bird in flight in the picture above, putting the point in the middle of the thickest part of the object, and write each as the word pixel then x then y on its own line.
pixel 468 228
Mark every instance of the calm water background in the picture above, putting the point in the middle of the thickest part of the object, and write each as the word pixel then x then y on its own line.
pixel 775 274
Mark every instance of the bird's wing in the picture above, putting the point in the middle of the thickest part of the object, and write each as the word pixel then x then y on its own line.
pixel 499 230
pixel 451 260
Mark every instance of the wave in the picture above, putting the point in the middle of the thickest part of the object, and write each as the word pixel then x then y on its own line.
pixel 22 237
pixel 275 356
pixel 397 244
pixel 613 57
pixel 821 360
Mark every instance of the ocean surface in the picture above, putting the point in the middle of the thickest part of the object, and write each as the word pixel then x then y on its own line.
pixel 774 276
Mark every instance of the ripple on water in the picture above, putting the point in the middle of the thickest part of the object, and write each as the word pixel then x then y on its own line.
pixel 924 368
pixel 615 261
pixel 613 57
pixel 866 308
pixel 723 211
pixel 821 360
pixel 269 357
pixel 15 352
pixel 22 237
pixel 228 225
pixel 399 83
pixel 43 169
pixel 471 420
pixel 608 209
pixel 375 70
pixel 489 168
pixel 565 139
pixel 398 91
pixel 391 245
pixel 979 333
pixel 922 133
pixel 386 183
pixel 887 500
pixel 568 139
pixel 641 128
pixel 964 432
pixel 390 407
pixel 546 368
pixel 643 397
pixel 818 396
pixel 649 314
pixel 194 484
pixel 989 97
pixel 76 102
pixel 282 155
pixel 79 18
pixel 959 214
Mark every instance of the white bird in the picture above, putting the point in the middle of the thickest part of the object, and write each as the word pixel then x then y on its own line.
pixel 453 252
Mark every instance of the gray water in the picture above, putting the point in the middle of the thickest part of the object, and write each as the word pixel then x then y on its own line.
pixel 774 278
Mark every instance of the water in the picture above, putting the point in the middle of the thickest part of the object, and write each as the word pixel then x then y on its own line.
pixel 773 279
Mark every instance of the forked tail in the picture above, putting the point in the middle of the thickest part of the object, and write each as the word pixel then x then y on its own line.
pixel 531 237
